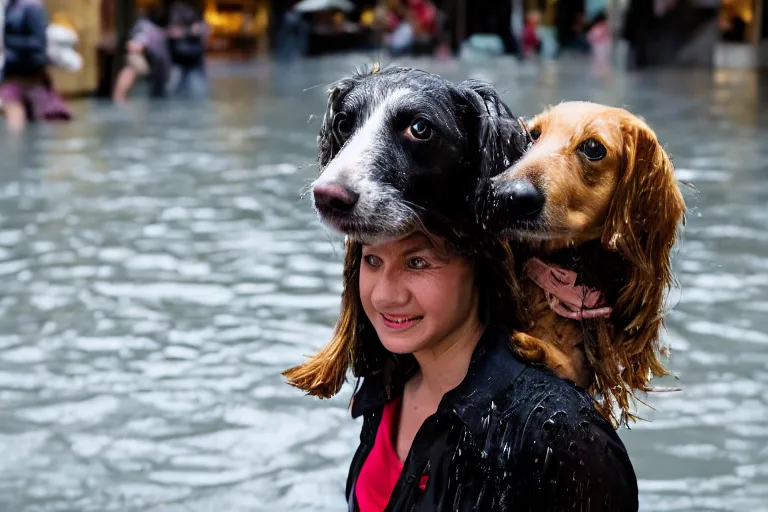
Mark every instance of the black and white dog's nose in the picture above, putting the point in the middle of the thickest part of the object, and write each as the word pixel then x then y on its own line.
pixel 520 198
pixel 334 197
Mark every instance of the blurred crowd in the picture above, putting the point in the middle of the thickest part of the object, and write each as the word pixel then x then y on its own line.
pixel 166 48
pixel 430 27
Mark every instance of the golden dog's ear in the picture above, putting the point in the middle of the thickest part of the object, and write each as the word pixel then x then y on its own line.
pixel 324 373
pixel 646 210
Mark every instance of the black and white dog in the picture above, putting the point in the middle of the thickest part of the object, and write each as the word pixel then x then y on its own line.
pixel 401 149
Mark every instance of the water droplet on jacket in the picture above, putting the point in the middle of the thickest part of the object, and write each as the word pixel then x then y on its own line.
pixel 559 415
pixel 547 425
pixel 547 459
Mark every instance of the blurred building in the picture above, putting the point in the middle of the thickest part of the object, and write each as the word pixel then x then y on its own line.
pixel 84 17
pixel 743 31
pixel 239 27
pixel 714 33
pixel 718 33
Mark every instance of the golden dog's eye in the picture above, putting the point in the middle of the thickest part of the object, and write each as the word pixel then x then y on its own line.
pixel 593 150
pixel 535 133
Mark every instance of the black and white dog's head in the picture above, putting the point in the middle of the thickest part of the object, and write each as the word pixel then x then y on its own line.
pixel 401 147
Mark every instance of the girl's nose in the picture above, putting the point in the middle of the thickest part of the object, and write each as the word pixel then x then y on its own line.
pixel 389 292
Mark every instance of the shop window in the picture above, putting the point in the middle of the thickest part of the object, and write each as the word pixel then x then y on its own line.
pixel 737 19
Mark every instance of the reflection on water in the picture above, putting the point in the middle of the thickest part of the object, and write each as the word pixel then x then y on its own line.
pixel 160 269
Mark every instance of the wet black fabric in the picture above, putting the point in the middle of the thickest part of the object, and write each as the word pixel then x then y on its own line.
pixel 187 51
pixel 510 437
pixel 25 39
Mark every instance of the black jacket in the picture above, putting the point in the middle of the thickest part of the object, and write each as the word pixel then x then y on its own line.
pixel 511 437
pixel 187 51
pixel 25 40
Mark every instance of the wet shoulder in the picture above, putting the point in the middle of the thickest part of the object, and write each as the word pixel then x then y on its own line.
pixel 562 447
pixel 551 410
pixel 539 392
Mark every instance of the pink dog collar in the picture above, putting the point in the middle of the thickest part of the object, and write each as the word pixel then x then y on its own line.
pixel 564 296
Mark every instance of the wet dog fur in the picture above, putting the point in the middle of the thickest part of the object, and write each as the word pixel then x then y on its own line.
pixel 596 194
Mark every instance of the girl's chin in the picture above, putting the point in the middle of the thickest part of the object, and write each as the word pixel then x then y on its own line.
pixel 401 343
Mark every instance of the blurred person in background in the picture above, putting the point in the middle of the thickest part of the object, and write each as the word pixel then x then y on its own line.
pixel 416 21
pixel 293 35
pixel 530 40
pixel 638 20
pixel 2 40
pixel 26 89
pixel 187 34
pixel 579 42
pixel 61 46
pixel 147 56
pixel 600 40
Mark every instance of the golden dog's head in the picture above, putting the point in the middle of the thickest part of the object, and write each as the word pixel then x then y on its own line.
pixel 594 172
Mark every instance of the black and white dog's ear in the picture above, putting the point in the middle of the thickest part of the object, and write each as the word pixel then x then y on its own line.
pixel 327 143
pixel 499 137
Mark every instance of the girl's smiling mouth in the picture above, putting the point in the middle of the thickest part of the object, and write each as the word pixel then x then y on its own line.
pixel 399 321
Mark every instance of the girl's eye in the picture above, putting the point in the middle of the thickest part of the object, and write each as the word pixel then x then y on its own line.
pixel 417 263
pixel 372 260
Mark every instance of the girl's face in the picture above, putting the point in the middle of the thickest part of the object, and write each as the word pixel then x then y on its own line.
pixel 416 295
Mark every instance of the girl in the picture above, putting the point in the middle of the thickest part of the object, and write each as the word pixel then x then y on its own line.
pixel 453 419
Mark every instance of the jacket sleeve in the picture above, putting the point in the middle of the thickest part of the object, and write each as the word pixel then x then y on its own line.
pixel 35 41
pixel 576 460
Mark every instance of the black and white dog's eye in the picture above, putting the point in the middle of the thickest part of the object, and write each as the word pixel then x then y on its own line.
pixel 535 133
pixel 593 150
pixel 420 129
pixel 341 124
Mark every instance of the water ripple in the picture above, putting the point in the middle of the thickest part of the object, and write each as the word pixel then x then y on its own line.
pixel 160 269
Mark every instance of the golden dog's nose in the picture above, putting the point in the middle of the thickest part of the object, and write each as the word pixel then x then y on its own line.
pixel 519 198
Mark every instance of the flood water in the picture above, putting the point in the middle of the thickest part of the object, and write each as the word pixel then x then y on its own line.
pixel 160 269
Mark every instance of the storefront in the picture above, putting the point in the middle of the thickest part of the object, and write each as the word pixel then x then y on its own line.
pixel 84 17
pixel 239 27
pixel 743 28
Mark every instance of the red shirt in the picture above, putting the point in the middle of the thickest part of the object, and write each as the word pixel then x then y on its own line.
pixel 382 468
pixel 425 13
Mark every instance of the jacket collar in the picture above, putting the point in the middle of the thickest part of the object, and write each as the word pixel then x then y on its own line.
pixel 492 370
